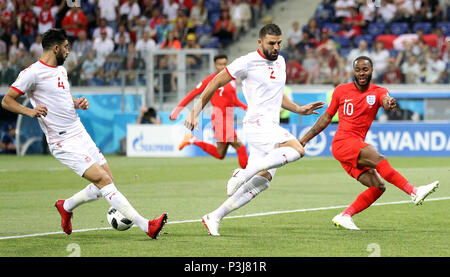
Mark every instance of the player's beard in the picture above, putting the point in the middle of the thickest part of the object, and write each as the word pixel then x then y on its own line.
pixel 60 59
pixel 271 56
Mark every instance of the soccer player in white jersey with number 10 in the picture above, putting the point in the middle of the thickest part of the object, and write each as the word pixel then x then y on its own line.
pixel 263 75
pixel 46 84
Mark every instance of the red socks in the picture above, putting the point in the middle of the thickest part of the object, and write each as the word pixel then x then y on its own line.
pixel 392 176
pixel 208 148
pixel 242 156
pixel 363 201
pixel 367 197
pixel 212 150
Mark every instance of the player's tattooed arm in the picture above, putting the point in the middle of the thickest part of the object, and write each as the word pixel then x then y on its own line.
pixel 318 127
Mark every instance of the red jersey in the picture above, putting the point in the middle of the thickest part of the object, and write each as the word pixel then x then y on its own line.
pixel 225 97
pixel 357 109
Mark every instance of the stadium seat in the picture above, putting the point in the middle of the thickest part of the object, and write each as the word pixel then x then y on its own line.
pixel 333 27
pixel 213 43
pixel 398 28
pixel 344 42
pixel 393 52
pixel 203 30
pixel 212 6
pixel 367 38
pixel 425 26
pixel 375 29
pixel 387 39
pixel 445 26
pixel 213 17
pixel 344 51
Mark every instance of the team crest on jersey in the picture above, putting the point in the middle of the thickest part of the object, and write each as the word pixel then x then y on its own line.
pixel 370 99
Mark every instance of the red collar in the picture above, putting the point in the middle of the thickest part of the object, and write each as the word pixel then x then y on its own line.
pixel 261 54
pixel 47 64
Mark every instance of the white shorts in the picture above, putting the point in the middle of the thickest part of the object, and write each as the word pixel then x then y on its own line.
pixel 263 138
pixel 78 152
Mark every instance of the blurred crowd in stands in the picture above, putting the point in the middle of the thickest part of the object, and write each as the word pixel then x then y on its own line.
pixel 408 41
pixel 111 35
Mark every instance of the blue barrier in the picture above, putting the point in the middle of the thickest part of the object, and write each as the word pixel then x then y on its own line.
pixel 106 122
pixel 391 139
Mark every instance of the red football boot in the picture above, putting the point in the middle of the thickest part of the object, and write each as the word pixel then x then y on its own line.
pixel 155 226
pixel 65 217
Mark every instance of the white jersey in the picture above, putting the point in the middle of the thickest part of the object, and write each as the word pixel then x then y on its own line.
pixel 49 86
pixel 262 83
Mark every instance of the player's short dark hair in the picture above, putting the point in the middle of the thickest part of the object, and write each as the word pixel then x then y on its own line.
pixel 220 56
pixel 52 37
pixel 364 58
pixel 270 29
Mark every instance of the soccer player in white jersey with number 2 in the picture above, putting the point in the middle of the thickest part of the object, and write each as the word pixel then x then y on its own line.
pixel 46 84
pixel 263 75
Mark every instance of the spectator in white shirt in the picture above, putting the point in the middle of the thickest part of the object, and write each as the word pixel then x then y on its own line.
pixel 342 9
pixel 241 14
pixel 145 44
pixel 109 10
pixel 295 35
pixel 411 70
pixel 103 26
pixel 170 9
pixel 380 57
pixel 103 46
pixel 387 12
pixel 435 70
pixel 130 10
pixel 122 31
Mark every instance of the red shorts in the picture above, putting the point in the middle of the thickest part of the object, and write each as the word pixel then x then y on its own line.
pixel 346 151
pixel 224 132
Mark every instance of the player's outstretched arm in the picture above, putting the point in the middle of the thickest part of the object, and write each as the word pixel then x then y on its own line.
pixel 11 104
pixel 221 79
pixel 318 127
pixel 186 100
pixel 308 109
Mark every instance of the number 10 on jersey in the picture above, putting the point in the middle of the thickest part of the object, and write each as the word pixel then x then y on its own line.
pixel 348 108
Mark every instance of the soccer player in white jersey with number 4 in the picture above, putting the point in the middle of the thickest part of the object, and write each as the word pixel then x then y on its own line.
pixel 46 84
pixel 263 75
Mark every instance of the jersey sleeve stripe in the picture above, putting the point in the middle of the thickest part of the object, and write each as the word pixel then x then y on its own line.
pixel 18 90
pixel 230 74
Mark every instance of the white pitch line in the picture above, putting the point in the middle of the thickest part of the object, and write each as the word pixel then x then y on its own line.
pixel 228 217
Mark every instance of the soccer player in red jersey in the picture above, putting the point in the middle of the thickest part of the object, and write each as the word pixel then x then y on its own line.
pixel 358 103
pixel 222 118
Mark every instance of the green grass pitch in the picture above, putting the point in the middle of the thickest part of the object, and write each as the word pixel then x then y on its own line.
pixel 291 219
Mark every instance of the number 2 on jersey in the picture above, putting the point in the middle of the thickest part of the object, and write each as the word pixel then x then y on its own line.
pixel 60 84
pixel 271 72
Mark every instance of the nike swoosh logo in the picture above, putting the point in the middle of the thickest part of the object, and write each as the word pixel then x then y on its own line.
pixel 346 100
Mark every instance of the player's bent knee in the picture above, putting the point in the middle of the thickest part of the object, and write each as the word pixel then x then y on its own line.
pixel 266 174
pixel 381 187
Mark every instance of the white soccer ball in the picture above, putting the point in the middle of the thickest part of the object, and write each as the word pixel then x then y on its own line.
pixel 117 220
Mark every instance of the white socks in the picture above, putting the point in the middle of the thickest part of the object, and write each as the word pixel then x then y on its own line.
pixel 88 194
pixel 274 159
pixel 117 200
pixel 242 196
pixel 114 197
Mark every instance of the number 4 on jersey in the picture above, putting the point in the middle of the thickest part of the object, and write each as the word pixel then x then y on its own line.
pixel 60 84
